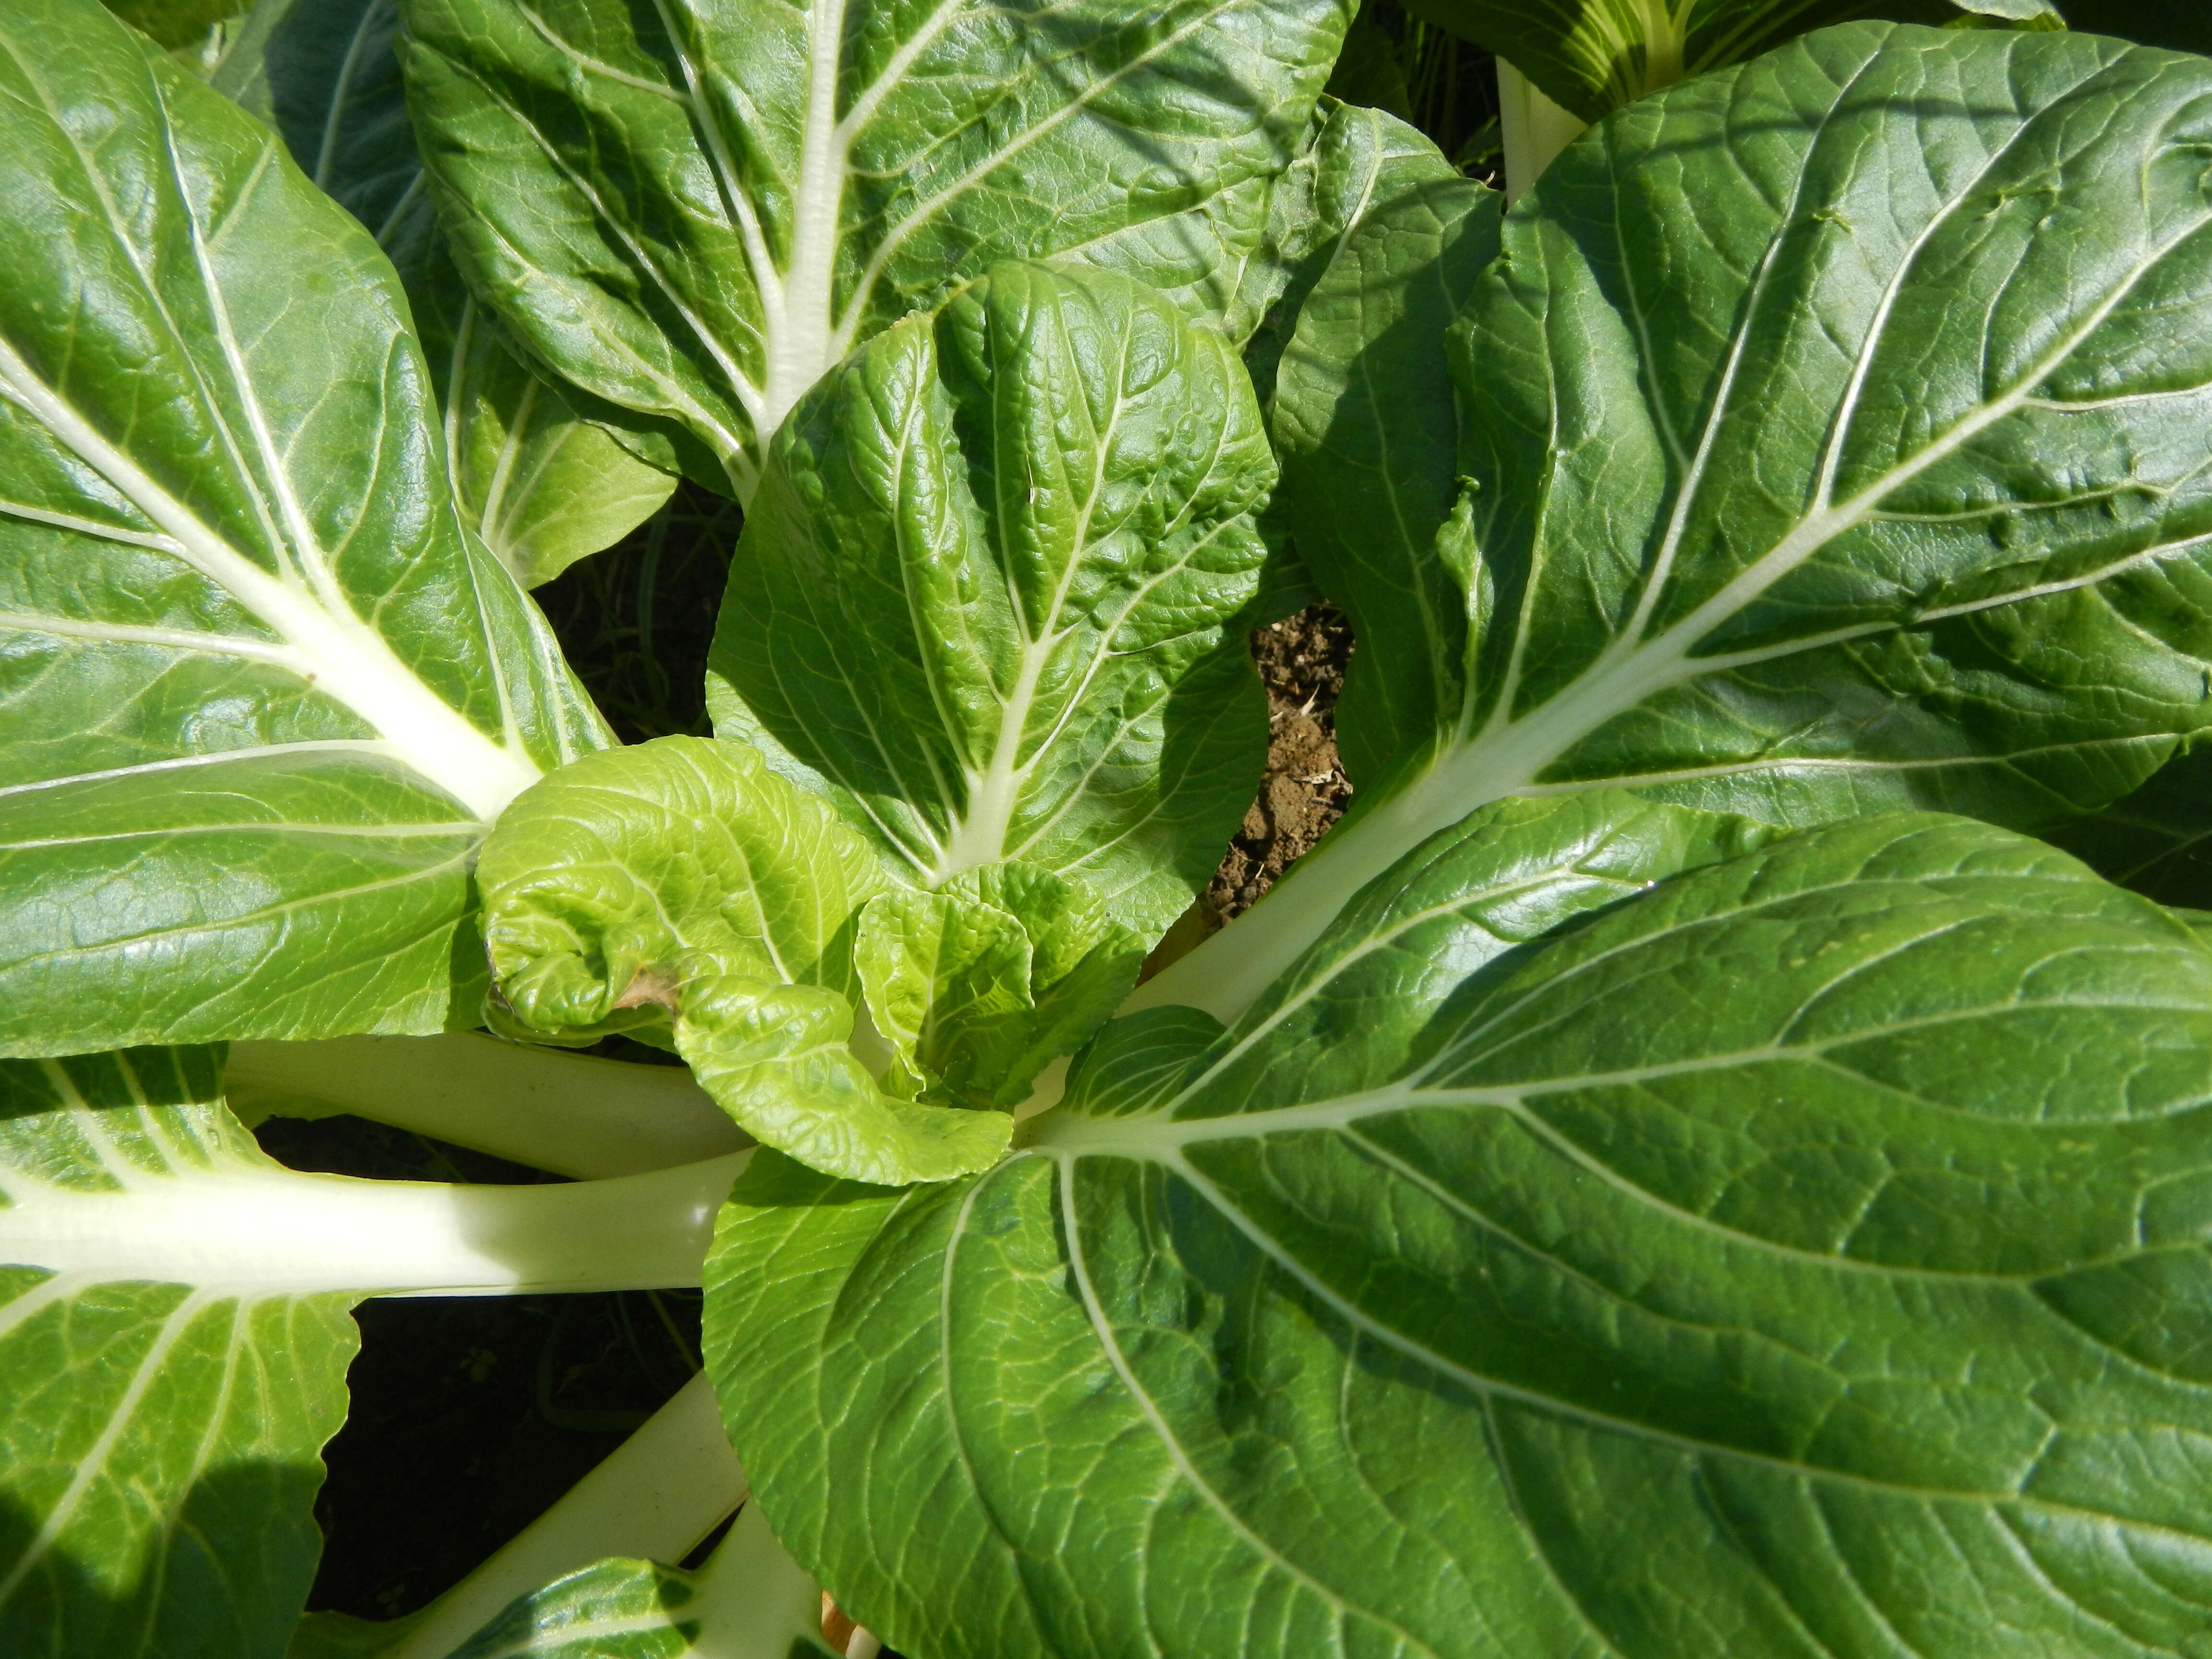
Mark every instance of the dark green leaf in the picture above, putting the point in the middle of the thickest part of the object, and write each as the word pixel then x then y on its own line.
pixel 694 209
pixel 1805 1257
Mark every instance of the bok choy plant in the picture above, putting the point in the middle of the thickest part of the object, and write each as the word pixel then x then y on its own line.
pixel 1713 1154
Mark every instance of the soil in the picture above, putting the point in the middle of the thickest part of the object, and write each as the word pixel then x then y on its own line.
pixel 1302 660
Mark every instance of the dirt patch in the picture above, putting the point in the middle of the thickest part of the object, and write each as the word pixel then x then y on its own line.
pixel 1301 660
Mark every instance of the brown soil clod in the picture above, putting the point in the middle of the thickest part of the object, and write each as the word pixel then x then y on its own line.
pixel 1302 660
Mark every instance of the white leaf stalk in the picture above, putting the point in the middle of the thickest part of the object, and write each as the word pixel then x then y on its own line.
pixel 1534 128
pixel 573 1114
pixel 653 1497
pixel 256 1231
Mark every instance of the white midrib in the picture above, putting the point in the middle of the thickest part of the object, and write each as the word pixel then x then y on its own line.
pixel 803 329
pixel 245 1230
pixel 341 655
pixel 980 837
pixel 1508 754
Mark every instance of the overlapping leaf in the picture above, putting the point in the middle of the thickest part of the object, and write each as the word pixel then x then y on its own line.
pixel 1804 1257
pixel 1874 476
pixel 541 485
pixel 694 209
pixel 260 690
pixel 988 597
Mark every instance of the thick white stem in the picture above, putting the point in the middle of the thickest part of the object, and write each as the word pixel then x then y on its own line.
pixel 261 1231
pixel 756 1601
pixel 662 1490
pixel 1534 129
pixel 570 1114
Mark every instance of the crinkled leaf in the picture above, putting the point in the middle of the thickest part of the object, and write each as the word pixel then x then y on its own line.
pixel 987 599
pixel 693 209
pixel 261 689
pixel 683 883
pixel 159 1441
pixel 979 985
pixel 543 486
pixel 1804 1256
pixel 1877 481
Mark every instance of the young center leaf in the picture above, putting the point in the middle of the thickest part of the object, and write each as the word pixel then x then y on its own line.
pixel 542 486
pixel 1873 479
pixel 989 598
pixel 262 691
pixel 682 886
pixel 694 209
pixel 1804 1256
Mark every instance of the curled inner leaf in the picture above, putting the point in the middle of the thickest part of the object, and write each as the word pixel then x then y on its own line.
pixel 681 890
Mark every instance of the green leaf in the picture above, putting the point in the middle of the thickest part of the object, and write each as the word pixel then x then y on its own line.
pixel 987 599
pixel 694 210
pixel 979 985
pixel 159 1440
pixel 261 689
pixel 176 24
pixel 1805 1257
pixel 684 884
pixel 1877 482
pixel 542 485
pixel 1363 422
pixel 1360 159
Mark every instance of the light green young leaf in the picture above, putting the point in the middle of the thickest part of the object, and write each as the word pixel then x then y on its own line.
pixel 1877 482
pixel 1804 1257
pixel 543 486
pixel 159 1441
pixel 694 210
pixel 261 690
pixel 977 986
pixel 987 599
pixel 682 884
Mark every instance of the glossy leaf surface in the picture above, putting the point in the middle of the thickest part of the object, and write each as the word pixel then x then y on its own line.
pixel 1805 1256
pixel 260 689
pixel 1877 481
pixel 542 486
pixel 158 1442
pixel 693 209
pixel 987 599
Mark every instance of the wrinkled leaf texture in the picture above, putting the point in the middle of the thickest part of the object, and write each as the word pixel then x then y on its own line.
pixel 262 690
pixel 694 209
